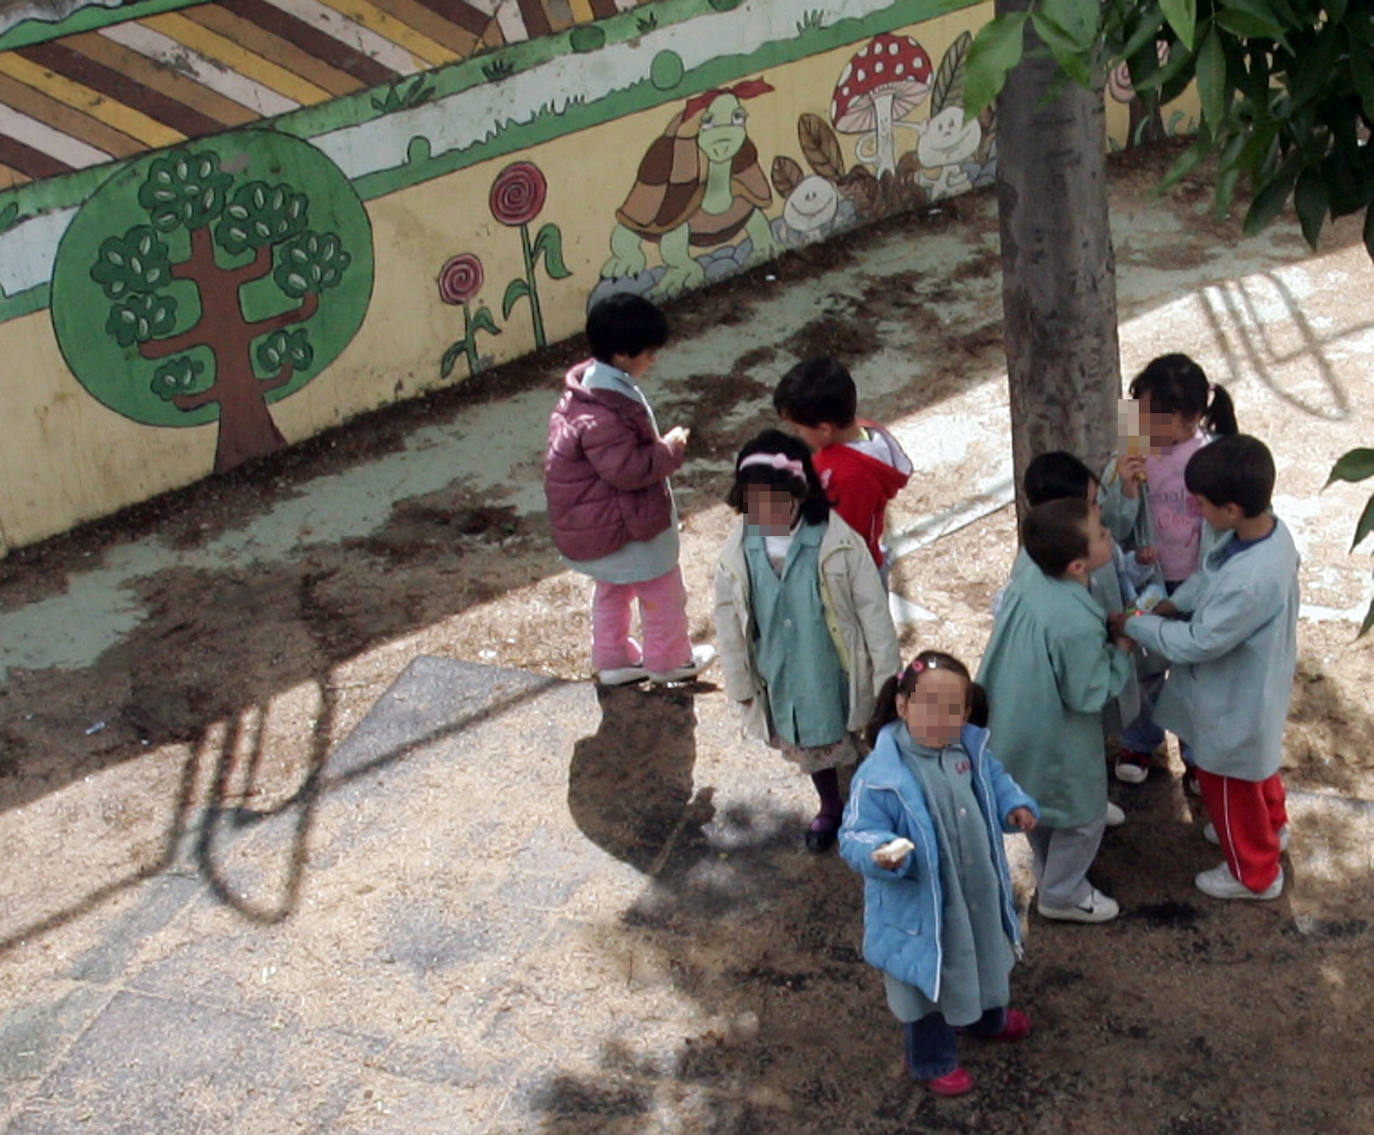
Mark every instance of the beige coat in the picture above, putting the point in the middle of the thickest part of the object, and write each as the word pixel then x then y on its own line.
pixel 856 614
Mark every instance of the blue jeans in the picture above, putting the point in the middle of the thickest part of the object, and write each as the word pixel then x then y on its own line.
pixel 1142 735
pixel 932 1045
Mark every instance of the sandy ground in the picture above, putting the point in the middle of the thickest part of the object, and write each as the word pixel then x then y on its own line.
pixel 204 655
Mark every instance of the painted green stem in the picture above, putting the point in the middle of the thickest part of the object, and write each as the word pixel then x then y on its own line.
pixel 535 314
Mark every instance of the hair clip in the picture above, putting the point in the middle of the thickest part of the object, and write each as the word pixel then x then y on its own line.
pixel 916 667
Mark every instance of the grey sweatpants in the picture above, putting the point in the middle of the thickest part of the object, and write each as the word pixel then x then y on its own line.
pixel 1062 857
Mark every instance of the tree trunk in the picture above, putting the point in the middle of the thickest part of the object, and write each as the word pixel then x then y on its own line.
pixel 1058 270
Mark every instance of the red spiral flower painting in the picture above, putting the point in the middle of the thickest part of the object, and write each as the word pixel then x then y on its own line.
pixel 517 194
pixel 460 279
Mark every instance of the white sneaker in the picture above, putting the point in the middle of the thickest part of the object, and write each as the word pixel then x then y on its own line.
pixel 1097 907
pixel 1209 833
pixel 1128 772
pixel 621 675
pixel 1221 884
pixel 1115 817
pixel 702 656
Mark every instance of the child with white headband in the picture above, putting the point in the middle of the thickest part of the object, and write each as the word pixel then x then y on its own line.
pixel 802 618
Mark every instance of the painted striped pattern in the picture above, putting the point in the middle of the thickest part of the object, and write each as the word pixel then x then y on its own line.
pixel 91 97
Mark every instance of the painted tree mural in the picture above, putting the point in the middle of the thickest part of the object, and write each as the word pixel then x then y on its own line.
pixel 247 270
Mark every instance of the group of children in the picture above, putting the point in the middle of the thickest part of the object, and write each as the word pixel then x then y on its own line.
pixel 1162 595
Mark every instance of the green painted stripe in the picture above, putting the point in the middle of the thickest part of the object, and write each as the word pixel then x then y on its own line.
pixel 87 20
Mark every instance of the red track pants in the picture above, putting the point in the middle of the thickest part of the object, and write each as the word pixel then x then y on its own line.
pixel 1247 815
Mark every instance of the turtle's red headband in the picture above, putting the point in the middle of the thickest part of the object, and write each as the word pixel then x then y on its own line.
pixel 750 88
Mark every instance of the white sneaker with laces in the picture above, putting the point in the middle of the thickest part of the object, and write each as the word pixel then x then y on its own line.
pixel 1221 884
pixel 1097 907
pixel 1115 817
pixel 702 656
pixel 1209 833
pixel 621 675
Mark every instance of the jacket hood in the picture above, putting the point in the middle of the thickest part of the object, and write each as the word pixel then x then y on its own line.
pixel 898 463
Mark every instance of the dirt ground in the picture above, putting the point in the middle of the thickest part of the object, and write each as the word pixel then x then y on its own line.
pixel 237 671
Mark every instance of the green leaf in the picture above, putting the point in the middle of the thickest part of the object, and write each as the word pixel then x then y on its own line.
pixel 1335 9
pixel 1191 158
pixel 1211 78
pixel 1145 34
pixel 514 291
pixel 1272 196
pixel 1355 465
pixel 1362 75
pixel 451 357
pixel 483 320
pixel 1366 524
pixel 1182 17
pixel 1247 26
pixel 1080 20
pixel 1311 201
pixel 1066 52
pixel 996 50
pixel 948 87
pixel 1368 620
pixel 549 244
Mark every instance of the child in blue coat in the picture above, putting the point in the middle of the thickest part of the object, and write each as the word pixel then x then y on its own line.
pixel 923 826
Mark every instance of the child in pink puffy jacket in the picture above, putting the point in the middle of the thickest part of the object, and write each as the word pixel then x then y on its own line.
pixel 606 482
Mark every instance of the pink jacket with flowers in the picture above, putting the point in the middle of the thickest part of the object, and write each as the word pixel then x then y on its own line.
pixel 605 472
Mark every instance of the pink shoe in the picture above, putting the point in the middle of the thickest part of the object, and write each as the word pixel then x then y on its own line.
pixel 1018 1027
pixel 954 1083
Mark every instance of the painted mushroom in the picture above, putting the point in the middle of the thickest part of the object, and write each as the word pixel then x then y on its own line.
pixel 882 84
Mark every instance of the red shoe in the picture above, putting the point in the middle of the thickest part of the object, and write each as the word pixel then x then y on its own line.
pixel 954 1083
pixel 1018 1026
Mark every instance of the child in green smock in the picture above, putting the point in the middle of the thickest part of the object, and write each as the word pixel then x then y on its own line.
pixel 805 635
pixel 1049 669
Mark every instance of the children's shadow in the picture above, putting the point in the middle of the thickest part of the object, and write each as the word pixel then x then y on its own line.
pixel 630 782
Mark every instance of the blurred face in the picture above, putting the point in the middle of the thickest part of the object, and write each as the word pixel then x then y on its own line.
pixel 936 709
pixel 1165 430
pixel 770 508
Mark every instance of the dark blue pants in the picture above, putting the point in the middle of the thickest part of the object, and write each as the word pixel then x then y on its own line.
pixel 932 1045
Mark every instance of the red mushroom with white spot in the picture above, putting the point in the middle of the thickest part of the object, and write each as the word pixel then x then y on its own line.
pixel 882 84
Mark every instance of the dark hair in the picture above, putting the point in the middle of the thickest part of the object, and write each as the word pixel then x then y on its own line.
pixel 817 391
pixel 815 506
pixel 625 324
pixel 1054 475
pixel 886 708
pixel 1177 385
pixel 1055 534
pixel 1233 470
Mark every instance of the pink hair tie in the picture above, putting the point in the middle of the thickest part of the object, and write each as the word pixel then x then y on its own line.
pixel 776 461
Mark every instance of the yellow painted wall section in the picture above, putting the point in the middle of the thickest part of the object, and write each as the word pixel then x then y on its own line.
pixel 68 459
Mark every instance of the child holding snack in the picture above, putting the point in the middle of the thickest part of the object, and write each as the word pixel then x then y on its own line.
pixel 924 825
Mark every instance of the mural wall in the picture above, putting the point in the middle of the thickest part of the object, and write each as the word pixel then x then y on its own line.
pixel 227 226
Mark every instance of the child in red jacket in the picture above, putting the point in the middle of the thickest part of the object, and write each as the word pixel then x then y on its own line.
pixel 606 482
pixel 861 465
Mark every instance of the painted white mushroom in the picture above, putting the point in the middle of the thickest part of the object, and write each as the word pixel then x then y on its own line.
pixel 947 141
pixel 881 85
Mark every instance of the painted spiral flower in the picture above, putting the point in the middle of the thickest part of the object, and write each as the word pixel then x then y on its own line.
pixel 518 194
pixel 1119 83
pixel 460 278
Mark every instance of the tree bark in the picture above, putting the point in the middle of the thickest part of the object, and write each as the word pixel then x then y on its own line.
pixel 1058 268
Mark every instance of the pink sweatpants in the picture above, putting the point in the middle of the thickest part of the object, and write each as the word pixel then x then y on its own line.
pixel 662 618
pixel 1247 815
